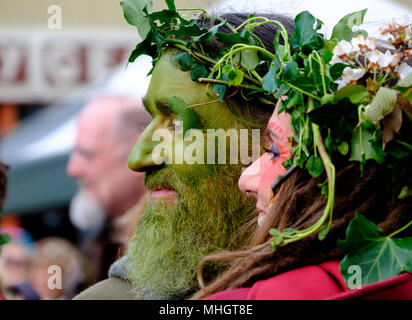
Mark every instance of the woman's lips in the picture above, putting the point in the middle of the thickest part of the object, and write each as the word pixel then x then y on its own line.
pixel 164 193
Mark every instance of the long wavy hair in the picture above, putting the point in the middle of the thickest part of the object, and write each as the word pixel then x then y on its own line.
pixel 299 204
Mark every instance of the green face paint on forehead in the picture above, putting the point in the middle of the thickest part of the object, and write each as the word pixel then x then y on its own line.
pixel 169 81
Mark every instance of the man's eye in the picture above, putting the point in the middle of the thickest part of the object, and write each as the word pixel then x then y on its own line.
pixel 176 126
pixel 273 150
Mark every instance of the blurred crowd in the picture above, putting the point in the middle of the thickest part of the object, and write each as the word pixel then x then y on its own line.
pixel 104 211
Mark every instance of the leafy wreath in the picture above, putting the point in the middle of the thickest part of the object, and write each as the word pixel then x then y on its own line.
pixel 371 87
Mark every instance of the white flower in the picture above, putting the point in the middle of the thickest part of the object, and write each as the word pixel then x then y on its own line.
pixel 350 75
pixel 402 21
pixel 403 70
pixel 383 59
pixel 360 43
pixel 388 59
pixel 342 50
pixel 373 56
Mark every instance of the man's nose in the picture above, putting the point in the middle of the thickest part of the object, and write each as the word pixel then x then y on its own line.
pixel 141 158
pixel 75 169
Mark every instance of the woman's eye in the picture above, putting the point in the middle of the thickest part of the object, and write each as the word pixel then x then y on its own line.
pixel 273 150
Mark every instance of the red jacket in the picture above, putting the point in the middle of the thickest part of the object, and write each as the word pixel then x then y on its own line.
pixel 318 283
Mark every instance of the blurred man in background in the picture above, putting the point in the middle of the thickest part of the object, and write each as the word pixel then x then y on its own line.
pixel 110 194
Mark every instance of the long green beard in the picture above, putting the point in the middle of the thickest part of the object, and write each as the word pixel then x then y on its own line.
pixel 170 241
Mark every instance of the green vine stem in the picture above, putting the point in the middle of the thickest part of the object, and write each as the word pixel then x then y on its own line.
pixel 328 211
pixel 284 33
pixel 400 230
pixel 242 85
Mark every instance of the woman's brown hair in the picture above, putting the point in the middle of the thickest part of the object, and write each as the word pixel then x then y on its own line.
pixel 298 204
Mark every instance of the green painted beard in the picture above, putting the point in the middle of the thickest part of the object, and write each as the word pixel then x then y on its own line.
pixel 170 241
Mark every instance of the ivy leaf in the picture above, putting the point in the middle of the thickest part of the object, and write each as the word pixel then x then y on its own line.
pixel 305 34
pixel 278 238
pixel 354 92
pixel 271 80
pixel 185 61
pixel 171 5
pixel 381 105
pixel 184 114
pixel 291 71
pixel 315 166
pixel 249 60
pixel 343 29
pixel 134 14
pixel 220 90
pixel 378 256
pixel 144 47
pixel 235 77
pixel 336 70
pixel 234 38
pixel 191 29
pixel 208 35
pixel 199 71
pixel 343 148
pixel 362 147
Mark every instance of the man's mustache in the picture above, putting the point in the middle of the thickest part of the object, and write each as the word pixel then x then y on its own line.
pixel 163 178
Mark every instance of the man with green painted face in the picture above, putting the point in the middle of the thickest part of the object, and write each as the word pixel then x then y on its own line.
pixel 193 209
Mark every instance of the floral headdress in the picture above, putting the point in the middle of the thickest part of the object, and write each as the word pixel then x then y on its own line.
pixel 347 95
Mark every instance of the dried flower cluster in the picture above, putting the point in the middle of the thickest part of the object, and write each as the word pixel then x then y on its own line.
pixel 365 56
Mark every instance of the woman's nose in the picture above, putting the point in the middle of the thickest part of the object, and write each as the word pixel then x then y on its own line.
pixel 250 178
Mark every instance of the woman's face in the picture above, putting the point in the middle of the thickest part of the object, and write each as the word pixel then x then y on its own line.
pixel 257 179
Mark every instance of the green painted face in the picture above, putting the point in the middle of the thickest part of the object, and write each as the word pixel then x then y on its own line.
pixel 168 81
pixel 193 209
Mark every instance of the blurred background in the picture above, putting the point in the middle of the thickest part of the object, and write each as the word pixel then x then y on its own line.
pixel 49 72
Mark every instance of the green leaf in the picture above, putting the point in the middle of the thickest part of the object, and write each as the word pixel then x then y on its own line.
pixel 134 14
pixel 288 232
pixel 327 98
pixel 354 92
pixel 406 82
pixel 362 147
pixel 336 70
pixel 291 71
pixel 189 30
pixel 234 38
pixel 220 90
pixel 185 61
pixel 343 29
pixel 305 34
pixel 171 5
pixel 198 71
pixel 278 236
pixel 315 166
pixel 184 114
pixel 210 33
pixel 144 47
pixel 343 148
pixel 271 80
pixel 324 231
pixel 235 77
pixel 249 59
pixel 378 256
pixel 381 105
